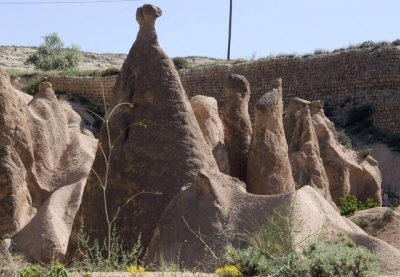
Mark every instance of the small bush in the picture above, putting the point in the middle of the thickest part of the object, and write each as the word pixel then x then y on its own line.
pixel 343 139
pixel 110 71
pixel 33 86
pixel 31 271
pixel 228 271
pixel 320 52
pixel 95 257
pixel 337 259
pixel 250 262
pixel 364 153
pixel 396 42
pixel 57 270
pixel 52 54
pixel 367 44
pixel 180 63
pixel 350 204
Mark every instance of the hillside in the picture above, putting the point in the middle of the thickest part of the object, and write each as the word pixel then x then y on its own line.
pixel 12 59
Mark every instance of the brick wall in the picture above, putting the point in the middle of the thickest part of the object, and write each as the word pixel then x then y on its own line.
pixel 88 87
pixel 343 80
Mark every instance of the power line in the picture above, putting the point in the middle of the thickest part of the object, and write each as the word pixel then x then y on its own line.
pixel 64 2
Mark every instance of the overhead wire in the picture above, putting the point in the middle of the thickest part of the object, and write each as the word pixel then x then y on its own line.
pixel 64 2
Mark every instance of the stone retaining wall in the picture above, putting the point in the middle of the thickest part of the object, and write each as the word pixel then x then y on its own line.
pixel 90 88
pixel 344 80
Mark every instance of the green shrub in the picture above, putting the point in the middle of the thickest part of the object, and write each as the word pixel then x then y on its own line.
pixel 320 52
pixel 343 139
pixel 350 204
pixel 250 262
pixel 367 44
pixel 33 86
pixel 57 270
pixel 31 271
pixel 271 252
pixel 52 54
pixel 364 153
pixel 337 259
pixel 110 71
pixel 318 259
pixel 180 63
pixel 396 42
pixel 95 256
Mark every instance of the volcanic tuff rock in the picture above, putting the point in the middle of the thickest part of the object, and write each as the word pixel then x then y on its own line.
pixel 347 171
pixel 206 216
pixel 304 153
pixel 39 155
pixel 206 111
pixel 237 124
pixel 268 166
pixel 381 222
pixel 389 165
pixel 157 145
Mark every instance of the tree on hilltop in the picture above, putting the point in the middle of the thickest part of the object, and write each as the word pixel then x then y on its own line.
pixel 52 54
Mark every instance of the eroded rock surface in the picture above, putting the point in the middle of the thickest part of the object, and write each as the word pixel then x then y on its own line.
pixel 237 124
pixel 389 165
pixel 215 210
pixel 39 154
pixel 381 222
pixel 268 168
pixel 347 171
pixel 206 111
pixel 157 145
pixel 307 165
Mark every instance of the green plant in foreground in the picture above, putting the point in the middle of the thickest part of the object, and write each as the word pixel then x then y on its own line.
pixel 58 270
pixel 350 204
pixel 31 271
pixel 250 262
pixel 318 259
pixel 271 252
pixel 97 257
pixel 342 258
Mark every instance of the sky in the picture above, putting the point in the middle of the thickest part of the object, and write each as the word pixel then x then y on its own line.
pixel 200 28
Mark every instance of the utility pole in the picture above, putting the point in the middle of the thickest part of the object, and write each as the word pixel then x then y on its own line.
pixel 230 31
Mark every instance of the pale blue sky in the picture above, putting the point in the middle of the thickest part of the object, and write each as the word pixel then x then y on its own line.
pixel 260 27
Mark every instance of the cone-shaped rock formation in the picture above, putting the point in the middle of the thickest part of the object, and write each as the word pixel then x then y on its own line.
pixel 268 168
pixel 237 124
pixel 206 111
pixel 304 154
pixel 157 146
